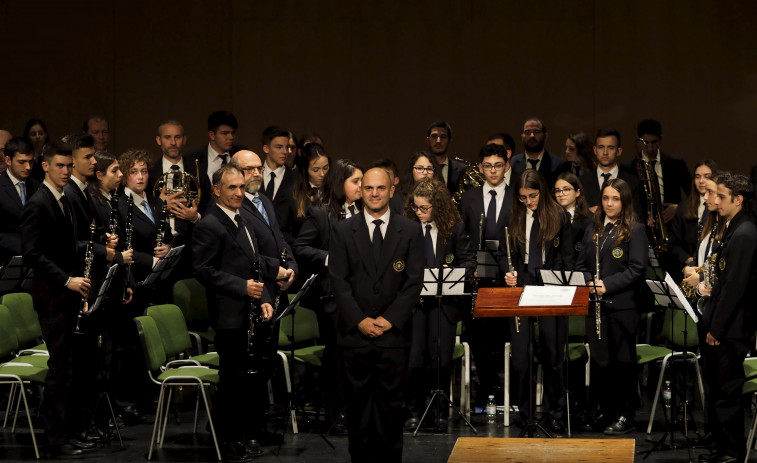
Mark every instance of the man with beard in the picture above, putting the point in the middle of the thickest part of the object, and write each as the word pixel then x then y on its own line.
pixel 608 151
pixel 534 136
pixel 97 128
pixel 438 138
pixel 16 187
pixel 278 276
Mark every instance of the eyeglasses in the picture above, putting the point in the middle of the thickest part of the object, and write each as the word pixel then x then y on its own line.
pixel 563 191
pixel 423 209
pixel 497 166
pixel 421 169
pixel 531 197
pixel 253 169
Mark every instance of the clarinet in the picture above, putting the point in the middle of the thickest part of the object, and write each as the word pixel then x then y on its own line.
pixel 89 257
pixel 127 244
pixel 511 269
pixel 161 228
pixel 255 315
pixel 597 297
pixel 113 223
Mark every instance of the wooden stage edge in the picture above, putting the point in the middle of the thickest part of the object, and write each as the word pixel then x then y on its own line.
pixel 500 449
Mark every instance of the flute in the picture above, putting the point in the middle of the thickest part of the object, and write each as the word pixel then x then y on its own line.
pixel 597 297
pixel 511 269
pixel 88 258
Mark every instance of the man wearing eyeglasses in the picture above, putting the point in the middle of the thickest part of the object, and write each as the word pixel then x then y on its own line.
pixel 493 201
pixel 534 156
pixel 438 138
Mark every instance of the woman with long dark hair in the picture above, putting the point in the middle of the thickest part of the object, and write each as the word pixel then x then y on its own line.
pixel 36 132
pixel 623 259
pixel 579 154
pixel 340 200
pixel 569 194
pixel 312 167
pixel 434 333
pixel 539 231
pixel 691 215
pixel 420 166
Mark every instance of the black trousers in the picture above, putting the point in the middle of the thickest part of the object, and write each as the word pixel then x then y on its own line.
pixel 614 372
pixel 487 343
pixel 723 367
pixel 374 390
pixel 551 347
pixel 239 404
pixel 430 337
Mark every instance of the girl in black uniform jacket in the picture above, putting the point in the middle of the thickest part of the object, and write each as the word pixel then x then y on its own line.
pixel 623 258
pixel 569 194
pixel 540 237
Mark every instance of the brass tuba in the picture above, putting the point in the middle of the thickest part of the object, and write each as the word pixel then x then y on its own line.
pixel 469 179
pixel 654 199
pixel 177 181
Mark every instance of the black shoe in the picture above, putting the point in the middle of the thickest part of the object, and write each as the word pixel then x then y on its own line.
pixel 254 451
pixel 718 458
pixel 131 415
pixel 339 429
pixel 708 457
pixel 412 422
pixel 235 452
pixel 621 426
pixel 65 450
pixel 82 444
pixel 266 439
pixel 555 427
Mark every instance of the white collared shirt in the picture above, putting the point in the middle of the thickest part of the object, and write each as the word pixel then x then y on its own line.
pixel 233 216
pixel 571 212
pixel 81 185
pixel 215 161
pixel 369 222
pixel 445 169
pixel 15 182
pixel 347 213
pixel 166 164
pixel 279 171
pixel 500 198
pixel 138 199
pixel 601 180
pixel 508 175
pixel 538 164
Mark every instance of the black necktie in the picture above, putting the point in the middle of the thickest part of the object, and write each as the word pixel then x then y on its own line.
pixel 491 217
pixel 66 208
pixel 533 163
pixel 606 177
pixel 223 157
pixel 378 240
pixel 534 250
pixel 243 230
pixel 269 188
pixel 175 175
pixel 352 209
pixel 429 244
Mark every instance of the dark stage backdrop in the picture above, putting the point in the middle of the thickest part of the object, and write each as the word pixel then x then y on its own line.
pixel 369 77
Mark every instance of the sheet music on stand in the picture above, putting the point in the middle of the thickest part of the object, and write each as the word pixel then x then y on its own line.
pixel 453 281
pixel 296 299
pixel 103 289
pixel 15 276
pixel 487 265
pixel 552 277
pixel 163 268
pixel 669 294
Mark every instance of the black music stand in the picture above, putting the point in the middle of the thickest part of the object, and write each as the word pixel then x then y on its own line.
pixel 487 260
pixel 440 282
pixel 15 276
pixel 669 295
pixel 163 268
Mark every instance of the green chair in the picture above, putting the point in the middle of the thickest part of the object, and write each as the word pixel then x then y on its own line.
pixel 25 319
pixel 461 352
pixel 577 346
pixel 750 367
pixel 191 298
pixel 676 321
pixel 17 374
pixel 170 375
pixel 750 387
pixel 175 336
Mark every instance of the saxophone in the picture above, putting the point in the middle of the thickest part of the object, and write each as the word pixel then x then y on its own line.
pixel 89 257
pixel 654 203
pixel 709 278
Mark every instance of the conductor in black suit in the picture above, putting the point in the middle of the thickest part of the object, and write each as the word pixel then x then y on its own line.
pixel 225 252
pixel 376 264
pixel 438 138
pixel 16 187
pixel 534 156
pixel 49 247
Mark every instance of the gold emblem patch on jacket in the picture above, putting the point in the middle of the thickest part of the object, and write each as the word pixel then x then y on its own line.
pixel 398 265
pixel 556 241
pixel 449 258
pixel 617 253
pixel 721 264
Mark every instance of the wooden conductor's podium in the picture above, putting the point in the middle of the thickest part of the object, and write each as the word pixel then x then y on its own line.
pixel 503 302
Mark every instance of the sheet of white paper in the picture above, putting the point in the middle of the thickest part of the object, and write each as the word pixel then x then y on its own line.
pixel 547 295
pixel 663 299
pixel 453 281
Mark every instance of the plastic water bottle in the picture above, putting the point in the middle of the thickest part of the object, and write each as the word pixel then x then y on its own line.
pixel 667 395
pixel 491 410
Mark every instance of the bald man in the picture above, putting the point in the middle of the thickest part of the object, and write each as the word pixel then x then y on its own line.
pixel 376 261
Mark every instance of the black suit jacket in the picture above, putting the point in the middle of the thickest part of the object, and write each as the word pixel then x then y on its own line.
pixel 285 206
pixel 471 208
pixel 144 236
pixel 455 169
pixel 223 263
pixel 10 216
pixel 550 167
pixel 311 247
pixel 684 236
pixel 590 184
pixel 729 312
pixel 83 209
pixel 622 266
pixel 577 230
pixel 271 240
pixel 364 289
pixel 675 175
pixel 201 155
pixel 49 249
